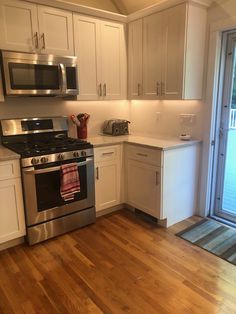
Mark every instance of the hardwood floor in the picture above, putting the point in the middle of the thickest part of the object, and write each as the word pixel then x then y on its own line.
pixel 118 265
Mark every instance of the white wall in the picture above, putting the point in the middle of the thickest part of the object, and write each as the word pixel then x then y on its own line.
pixel 145 120
pixel 41 107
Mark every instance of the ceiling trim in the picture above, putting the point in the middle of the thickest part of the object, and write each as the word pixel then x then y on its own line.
pixel 164 4
pixel 82 9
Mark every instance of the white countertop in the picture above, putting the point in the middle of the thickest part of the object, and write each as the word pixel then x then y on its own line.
pixel 7 154
pixel 161 143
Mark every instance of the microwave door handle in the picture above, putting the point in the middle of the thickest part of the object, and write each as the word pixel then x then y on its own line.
pixel 63 78
pixel 51 169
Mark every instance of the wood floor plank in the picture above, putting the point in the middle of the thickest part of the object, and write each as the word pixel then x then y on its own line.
pixel 121 264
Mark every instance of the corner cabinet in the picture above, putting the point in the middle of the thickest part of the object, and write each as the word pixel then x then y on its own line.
pixel 170 64
pixel 12 222
pixel 162 183
pixel 101 50
pixel 107 176
pixel 28 27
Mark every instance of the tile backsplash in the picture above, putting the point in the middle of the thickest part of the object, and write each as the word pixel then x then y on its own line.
pixel 153 118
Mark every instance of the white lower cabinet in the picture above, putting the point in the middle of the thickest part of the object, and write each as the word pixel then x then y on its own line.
pixel 144 187
pixel 12 222
pixel 107 177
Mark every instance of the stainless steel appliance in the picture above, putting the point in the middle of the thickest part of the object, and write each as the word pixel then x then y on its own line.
pixel 28 74
pixel 116 127
pixel 44 146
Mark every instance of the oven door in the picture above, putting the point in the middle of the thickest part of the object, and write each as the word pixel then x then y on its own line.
pixel 43 201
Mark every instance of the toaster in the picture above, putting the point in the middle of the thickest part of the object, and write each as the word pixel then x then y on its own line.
pixel 116 127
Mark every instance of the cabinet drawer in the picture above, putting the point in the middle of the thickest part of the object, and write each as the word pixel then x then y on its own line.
pixel 143 154
pixel 107 153
pixel 9 169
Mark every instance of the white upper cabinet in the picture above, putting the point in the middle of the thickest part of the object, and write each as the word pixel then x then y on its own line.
pixel 87 41
pixel 152 51
pixel 113 60
pixel 19 26
pixel 173 45
pixel 56 31
pixel 135 61
pixel 101 51
pixel 30 28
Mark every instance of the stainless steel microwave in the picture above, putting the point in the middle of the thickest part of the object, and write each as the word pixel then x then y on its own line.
pixel 28 74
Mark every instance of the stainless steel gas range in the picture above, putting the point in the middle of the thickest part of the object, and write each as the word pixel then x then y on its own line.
pixel 44 146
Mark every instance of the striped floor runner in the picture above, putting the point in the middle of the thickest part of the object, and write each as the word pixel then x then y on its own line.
pixel 213 237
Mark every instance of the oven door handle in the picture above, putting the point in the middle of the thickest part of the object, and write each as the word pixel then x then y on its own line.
pixel 51 169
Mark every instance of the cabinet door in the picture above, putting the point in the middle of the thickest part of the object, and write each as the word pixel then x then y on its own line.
pixel 107 184
pixel 56 31
pixel 87 50
pixel 12 223
pixel 135 46
pixel 152 45
pixel 173 32
pixel 113 60
pixel 144 187
pixel 18 24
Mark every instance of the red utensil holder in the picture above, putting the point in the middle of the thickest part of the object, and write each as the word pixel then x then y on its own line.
pixel 82 132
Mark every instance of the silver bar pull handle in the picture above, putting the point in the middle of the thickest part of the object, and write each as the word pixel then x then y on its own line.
pixel 100 90
pixel 141 154
pixel 63 78
pixel 157 178
pixel 104 90
pixel 36 40
pixel 108 153
pixel 57 168
pixel 97 173
pixel 139 89
pixel 157 91
pixel 43 38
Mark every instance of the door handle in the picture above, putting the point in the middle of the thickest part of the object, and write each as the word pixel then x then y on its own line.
pixel 104 90
pixel 157 178
pixel 36 40
pixel 157 91
pixel 63 78
pixel 43 38
pixel 139 89
pixel 97 173
pixel 100 90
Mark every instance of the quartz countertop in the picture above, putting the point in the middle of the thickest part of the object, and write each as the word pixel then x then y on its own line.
pixel 7 154
pixel 164 143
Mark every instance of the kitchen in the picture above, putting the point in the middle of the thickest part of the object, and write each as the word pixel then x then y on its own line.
pixel 155 121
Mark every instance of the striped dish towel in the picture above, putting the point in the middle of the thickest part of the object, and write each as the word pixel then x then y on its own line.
pixel 70 182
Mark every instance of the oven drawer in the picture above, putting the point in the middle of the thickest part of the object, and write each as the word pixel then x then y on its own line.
pixel 9 169
pixel 107 153
pixel 143 154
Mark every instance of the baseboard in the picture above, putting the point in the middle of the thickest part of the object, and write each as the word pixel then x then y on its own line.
pixel 110 210
pixel 11 243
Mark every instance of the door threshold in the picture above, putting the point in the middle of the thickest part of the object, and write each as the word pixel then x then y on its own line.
pixel 223 221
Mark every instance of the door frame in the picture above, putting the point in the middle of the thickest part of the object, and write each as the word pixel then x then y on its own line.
pixel 212 95
pixel 222 120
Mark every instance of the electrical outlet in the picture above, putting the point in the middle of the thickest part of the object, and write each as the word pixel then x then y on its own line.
pixel 187 118
pixel 158 115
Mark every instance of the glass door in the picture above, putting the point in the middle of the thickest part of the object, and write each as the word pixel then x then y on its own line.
pixel 225 202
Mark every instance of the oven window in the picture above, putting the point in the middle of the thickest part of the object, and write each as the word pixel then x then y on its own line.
pixel 34 76
pixel 48 189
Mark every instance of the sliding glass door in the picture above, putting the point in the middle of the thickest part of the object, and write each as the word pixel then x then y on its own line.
pixel 225 201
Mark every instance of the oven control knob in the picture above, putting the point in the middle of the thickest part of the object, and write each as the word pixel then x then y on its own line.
pixel 44 160
pixel 34 161
pixel 60 157
pixel 76 154
pixel 83 153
